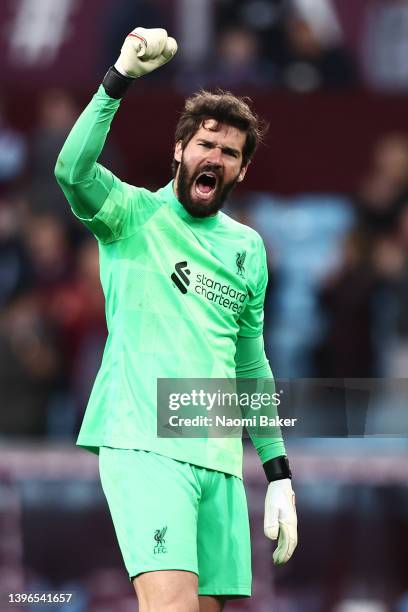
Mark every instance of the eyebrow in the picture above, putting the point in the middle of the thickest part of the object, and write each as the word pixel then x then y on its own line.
pixel 229 150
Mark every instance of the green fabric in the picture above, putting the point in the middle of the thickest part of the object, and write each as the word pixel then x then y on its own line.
pixel 199 517
pixel 156 331
pixel 251 362
pixel 86 183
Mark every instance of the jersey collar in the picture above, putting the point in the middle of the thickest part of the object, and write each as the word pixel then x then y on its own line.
pixel 170 197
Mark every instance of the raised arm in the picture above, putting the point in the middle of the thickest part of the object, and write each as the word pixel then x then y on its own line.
pixel 87 184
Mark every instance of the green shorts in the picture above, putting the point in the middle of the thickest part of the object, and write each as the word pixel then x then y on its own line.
pixel 170 515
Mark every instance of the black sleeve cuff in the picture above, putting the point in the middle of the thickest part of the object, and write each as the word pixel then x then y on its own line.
pixel 115 84
pixel 277 469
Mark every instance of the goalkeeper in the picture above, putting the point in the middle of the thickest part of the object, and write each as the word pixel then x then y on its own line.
pixel 178 505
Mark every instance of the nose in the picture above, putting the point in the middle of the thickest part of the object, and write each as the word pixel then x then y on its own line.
pixel 215 156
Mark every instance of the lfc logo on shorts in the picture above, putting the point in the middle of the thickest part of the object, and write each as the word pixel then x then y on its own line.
pixel 159 537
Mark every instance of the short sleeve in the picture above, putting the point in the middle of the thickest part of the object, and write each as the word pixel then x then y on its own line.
pixel 252 319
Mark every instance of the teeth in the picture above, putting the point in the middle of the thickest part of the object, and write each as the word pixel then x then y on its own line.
pixel 213 177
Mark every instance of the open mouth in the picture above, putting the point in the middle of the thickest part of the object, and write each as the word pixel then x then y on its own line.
pixel 205 185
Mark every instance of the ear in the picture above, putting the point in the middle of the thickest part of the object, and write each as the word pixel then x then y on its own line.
pixel 178 151
pixel 242 173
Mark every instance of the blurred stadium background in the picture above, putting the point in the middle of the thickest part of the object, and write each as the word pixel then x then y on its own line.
pixel 329 194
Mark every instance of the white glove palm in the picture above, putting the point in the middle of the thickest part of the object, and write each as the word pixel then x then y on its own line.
pixel 144 50
pixel 280 519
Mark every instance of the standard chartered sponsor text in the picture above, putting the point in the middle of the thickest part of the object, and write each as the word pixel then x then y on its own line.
pixel 223 294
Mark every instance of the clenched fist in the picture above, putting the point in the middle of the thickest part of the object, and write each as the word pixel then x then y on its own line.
pixel 144 50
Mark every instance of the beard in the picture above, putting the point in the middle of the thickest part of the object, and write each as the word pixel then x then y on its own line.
pixel 193 205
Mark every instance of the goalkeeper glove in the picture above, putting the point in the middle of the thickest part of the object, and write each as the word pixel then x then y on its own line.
pixel 144 50
pixel 280 519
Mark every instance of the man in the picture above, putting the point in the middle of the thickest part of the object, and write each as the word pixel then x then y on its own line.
pixel 178 505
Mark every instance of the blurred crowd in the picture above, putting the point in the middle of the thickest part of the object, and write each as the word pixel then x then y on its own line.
pixel 297 45
pixel 337 300
pixel 291 45
pixel 52 325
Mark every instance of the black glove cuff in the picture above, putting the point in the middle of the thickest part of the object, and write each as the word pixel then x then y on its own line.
pixel 277 469
pixel 115 84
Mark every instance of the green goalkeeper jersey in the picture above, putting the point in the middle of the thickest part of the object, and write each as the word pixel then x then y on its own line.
pixel 179 293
